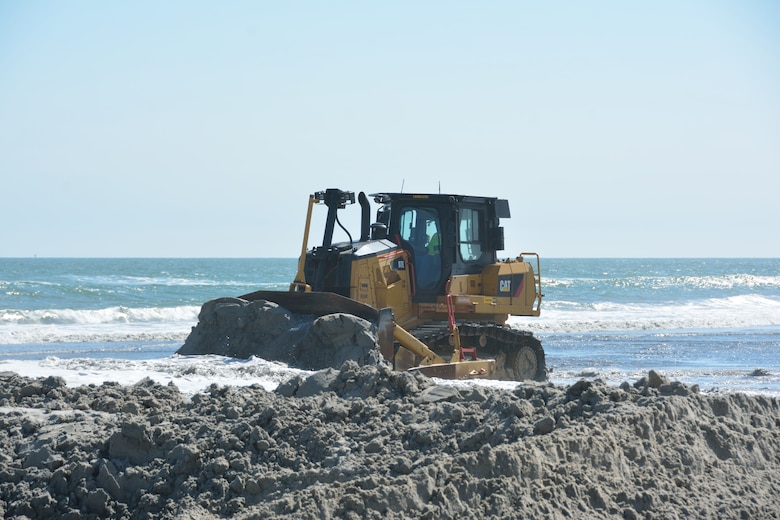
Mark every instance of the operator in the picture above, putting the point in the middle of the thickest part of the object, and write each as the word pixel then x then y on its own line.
pixel 433 245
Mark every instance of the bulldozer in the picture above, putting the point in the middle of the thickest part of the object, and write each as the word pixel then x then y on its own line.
pixel 426 273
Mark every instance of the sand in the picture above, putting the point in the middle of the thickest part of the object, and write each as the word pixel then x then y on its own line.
pixel 365 442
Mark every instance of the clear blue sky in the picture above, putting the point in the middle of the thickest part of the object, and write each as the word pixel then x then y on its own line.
pixel 198 129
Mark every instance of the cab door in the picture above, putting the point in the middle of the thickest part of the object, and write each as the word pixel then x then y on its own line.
pixel 420 231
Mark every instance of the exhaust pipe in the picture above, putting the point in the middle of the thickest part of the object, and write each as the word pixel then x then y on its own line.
pixel 365 220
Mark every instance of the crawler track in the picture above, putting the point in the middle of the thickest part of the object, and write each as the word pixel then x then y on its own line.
pixel 519 355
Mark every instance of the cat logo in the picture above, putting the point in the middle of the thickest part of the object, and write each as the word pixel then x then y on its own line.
pixel 511 285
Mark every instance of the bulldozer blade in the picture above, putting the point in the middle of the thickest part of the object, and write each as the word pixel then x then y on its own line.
pixel 480 369
pixel 315 303
pixel 322 303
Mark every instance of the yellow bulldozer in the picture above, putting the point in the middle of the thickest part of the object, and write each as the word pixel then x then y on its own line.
pixel 425 271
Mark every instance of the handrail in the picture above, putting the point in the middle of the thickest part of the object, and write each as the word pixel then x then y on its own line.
pixel 299 284
pixel 537 283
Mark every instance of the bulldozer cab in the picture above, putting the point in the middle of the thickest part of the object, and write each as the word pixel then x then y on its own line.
pixel 445 235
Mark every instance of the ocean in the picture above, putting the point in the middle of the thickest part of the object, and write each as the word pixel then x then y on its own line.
pixel 711 322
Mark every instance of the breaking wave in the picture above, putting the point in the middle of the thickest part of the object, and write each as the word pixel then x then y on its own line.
pixel 738 312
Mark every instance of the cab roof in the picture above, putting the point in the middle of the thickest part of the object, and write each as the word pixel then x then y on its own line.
pixel 501 205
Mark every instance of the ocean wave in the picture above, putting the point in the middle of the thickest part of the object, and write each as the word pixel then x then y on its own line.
pixel 111 324
pixel 163 281
pixel 119 323
pixel 115 314
pixel 743 311
pixel 730 281
pixel 723 281
pixel 65 334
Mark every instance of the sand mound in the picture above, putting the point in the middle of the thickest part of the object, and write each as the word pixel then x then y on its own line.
pixel 237 328
pixel 366 442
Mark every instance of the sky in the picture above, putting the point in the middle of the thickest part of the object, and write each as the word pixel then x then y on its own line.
pixel 199 129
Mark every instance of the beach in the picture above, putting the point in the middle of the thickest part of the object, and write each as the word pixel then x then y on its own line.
pixel 366 442
pixel 661 402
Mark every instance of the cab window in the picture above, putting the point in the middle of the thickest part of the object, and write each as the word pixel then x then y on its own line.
pixel 418 226
pixel 470 234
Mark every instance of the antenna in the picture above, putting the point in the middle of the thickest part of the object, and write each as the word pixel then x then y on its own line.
pixel 402 185
pixel 439 187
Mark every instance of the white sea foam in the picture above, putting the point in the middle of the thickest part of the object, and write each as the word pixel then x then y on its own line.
pixel 136 281
pixel 722 281
pixel 190 374
pixel 194 374
pixel 109 324
pixel 120 323
pixel 732 312
pixel 117 314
